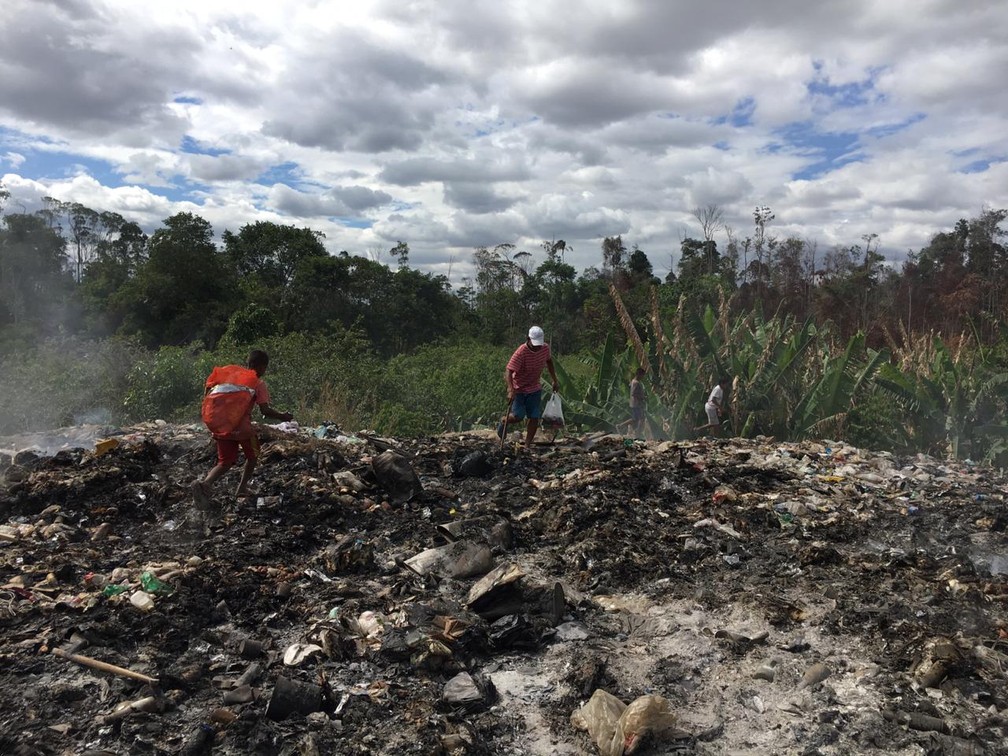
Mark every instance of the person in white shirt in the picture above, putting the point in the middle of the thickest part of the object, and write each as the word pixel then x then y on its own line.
pixel 715 407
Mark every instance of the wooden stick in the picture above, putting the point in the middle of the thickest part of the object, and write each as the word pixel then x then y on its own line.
pixel 507 416
pixel 87 661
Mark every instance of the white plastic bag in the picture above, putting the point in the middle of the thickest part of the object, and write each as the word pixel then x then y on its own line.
pixel 553 414
pixel 618 729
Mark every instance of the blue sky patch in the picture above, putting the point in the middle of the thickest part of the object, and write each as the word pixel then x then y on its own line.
pixel 187 100
pixel 193 147
pixel 354 222
pixel 981 165
pixel 58 164
pixel 740 116
pixel 283 173
pixel 888 129
pixel 848 95
pixel 825 151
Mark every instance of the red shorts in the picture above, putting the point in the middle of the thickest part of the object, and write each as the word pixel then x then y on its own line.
pixel 227 450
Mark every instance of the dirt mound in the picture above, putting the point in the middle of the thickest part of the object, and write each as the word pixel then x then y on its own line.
pixel 392 597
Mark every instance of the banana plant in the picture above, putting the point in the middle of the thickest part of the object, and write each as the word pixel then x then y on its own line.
pixel 602 405
pixel 826 404
pixel 942 400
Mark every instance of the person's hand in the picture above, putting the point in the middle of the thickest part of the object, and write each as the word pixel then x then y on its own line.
pixel 556 387
pixel 510 392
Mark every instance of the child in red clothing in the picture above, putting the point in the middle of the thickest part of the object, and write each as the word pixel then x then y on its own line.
pixel 246 440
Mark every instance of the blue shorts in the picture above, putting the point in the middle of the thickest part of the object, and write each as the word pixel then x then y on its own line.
pixel 527 405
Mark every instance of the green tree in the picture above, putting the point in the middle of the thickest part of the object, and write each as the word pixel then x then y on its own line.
pixel 265 257
pixel 558 297
pixel 33 278
pixel 500 308
pixel 639 268
pixel 185 291
pixel 269 253
pixel 614 254
pixel 396 310
pixel 121 251
pixel 83 226
pixel 401 253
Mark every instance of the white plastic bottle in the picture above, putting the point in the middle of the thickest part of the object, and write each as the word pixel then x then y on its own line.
pixel 142 601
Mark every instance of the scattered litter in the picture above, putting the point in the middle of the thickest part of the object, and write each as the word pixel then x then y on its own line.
pixel 812 594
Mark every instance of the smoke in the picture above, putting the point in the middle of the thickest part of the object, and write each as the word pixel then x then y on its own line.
pixel 95 416
pixel 48 443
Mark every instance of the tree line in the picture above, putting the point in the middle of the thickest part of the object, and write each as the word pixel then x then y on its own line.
pixel 70 268
pixel 835 343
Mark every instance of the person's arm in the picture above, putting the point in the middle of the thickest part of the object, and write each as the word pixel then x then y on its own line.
pixel 273 414
pixel 509 376
pixel 552 372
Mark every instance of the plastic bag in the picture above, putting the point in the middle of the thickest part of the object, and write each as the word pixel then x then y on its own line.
pixel 616 728
pixel 552 416
pixel 228 401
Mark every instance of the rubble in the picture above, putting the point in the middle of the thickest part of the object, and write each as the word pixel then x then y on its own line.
pixel 386 596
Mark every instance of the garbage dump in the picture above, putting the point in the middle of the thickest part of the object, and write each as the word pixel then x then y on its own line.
pixel 594 595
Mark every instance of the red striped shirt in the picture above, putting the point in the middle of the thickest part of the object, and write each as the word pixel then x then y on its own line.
pixel 527 365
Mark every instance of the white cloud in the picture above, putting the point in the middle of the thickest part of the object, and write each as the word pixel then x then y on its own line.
pixel 457 123
pixel 13 159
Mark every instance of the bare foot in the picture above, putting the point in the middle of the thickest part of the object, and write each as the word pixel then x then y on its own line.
pixel 246 493
pixel 200 494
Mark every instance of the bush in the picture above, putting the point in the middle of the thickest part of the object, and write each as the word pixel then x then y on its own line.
pixel 168 385
pixel 323 377
pixel 395 420
pixel 876 423
pixel 250 324
pixel 456 386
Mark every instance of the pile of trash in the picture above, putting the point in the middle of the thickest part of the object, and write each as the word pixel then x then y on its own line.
pixel 596 595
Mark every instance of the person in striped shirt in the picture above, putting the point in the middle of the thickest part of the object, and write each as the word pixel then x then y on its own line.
pixel 524 390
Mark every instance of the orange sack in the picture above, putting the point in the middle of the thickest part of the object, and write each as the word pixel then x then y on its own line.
pixel 228 400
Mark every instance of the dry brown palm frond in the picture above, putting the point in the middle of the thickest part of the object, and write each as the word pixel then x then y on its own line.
pixel 959 351
pixel 630 329
pixel 904 334
pixel 661 343
pixel 916 351
pixel 889 338
pixel 682 342
pixel 724 317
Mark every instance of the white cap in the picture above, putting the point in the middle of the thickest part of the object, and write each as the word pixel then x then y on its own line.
pixel 536 336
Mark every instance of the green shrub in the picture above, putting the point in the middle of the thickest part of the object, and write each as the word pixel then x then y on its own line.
pixel 395 420
pixel 323 376
pixel 250 324
pixel 875 423
pixel 168 385
pixel 456 386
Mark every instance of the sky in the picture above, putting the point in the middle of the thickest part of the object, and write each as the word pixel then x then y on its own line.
pixel 456 124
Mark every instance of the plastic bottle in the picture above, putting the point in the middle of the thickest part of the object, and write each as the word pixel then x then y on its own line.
pixel 142 601
pixel 152 585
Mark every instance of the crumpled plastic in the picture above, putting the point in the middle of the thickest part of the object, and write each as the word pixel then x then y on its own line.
pixel 617 728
